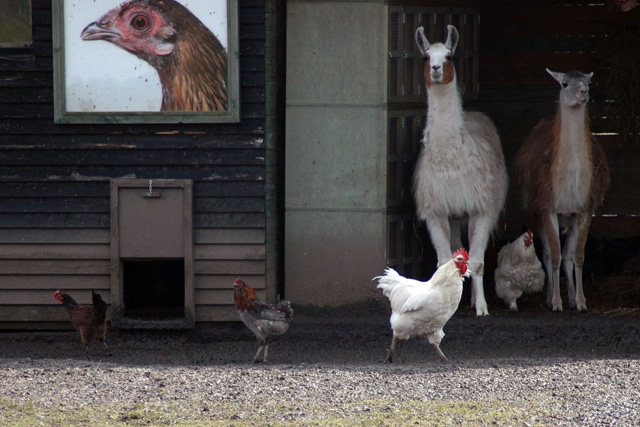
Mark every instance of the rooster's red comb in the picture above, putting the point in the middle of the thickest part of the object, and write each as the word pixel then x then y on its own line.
pixel 463 252
pixel 529 234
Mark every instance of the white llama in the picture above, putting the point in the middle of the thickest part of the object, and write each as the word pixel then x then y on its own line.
pixel 460 174
pixel 563 173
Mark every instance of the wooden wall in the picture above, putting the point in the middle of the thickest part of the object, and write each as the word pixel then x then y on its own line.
pixel 54 184
pixel 518 40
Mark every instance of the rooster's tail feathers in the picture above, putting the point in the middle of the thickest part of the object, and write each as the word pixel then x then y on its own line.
pixel 388 280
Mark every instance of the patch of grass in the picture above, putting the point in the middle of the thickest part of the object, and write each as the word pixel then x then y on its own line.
pixel 366 413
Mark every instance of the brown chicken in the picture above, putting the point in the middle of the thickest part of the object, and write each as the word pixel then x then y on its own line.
pixel 89 320
pixel 190 60
pixel 263 319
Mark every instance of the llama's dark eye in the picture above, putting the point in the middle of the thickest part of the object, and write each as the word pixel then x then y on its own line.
pixel 565 85
pixel 140 22
pixel 425 58
pixel 449 57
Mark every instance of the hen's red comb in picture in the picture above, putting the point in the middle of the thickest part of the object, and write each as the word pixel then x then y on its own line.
pixel 463 252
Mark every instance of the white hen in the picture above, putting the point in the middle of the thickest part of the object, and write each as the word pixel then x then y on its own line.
pixel 423 308
pixel 519 270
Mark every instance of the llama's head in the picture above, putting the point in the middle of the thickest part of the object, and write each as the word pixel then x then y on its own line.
pixel 574 87
pixel 438 65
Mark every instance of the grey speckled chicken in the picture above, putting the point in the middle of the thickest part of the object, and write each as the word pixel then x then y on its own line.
pixel 519 270
pixel 263 319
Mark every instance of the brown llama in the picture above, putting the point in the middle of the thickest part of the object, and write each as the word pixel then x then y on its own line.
pixel 460 174
pixel 563 173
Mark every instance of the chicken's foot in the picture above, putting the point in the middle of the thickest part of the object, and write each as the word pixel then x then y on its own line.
pixel 389 358
pixel 444 358
pixel 106 348
pixel 255 358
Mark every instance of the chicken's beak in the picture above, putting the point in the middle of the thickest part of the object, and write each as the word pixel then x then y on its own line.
pixel 94 31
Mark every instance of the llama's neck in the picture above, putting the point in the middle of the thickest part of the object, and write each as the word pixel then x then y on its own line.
pixel 574 127
pixel 572 169
pixel 445 114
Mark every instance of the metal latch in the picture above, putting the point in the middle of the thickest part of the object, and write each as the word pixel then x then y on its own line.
pixel 152 194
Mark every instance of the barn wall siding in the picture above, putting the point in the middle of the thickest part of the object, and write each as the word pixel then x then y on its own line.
pixel 54 184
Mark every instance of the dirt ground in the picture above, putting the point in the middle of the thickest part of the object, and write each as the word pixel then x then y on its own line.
pixel 352 340
pixel 538 367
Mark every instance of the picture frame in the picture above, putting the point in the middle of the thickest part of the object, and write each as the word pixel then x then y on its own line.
pixel 139 61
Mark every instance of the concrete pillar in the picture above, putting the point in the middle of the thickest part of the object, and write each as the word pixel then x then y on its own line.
pixel 336 133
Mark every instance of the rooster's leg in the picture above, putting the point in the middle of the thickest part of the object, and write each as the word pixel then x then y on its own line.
pixel 255 358
pixel 444 358
pixel 106 348
pixel 264 355
pixel 389 358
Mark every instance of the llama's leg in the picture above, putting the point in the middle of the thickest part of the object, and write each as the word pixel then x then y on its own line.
pixel 455 228
pixel 568 260
pixel 546 261
pixel 583 223
pixel 550 223
pixel 439 232
pixel 479 231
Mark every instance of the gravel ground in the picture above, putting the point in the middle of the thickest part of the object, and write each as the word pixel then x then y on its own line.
pixel 537 367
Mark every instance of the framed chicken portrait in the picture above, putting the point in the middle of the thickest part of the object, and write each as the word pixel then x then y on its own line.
pixel 146 61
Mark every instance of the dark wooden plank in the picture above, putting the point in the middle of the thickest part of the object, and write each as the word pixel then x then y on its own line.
pixel 169 157
pixel 17 62
pixel 228 189
pixel 168 140
pixel 222 204
pixel 217 236
pixel 229 252
pixel 53 283
pixel 54 220
pixel 58 204
pixel 250 126
pixel 45 297
pixel 228 267
pixel 230 220
pixel 57 236
pixel 54 251
pixel 55 267
pixel 26 95
pixel 31 79
pixel 103 173
pixel 220 281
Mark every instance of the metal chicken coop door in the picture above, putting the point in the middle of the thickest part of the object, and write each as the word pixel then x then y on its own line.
pixel 152 276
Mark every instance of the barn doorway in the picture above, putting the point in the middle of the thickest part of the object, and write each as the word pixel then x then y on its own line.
pixel 153 289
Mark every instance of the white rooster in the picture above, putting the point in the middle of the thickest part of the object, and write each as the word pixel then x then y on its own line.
pixel 423 308
pixel 519 270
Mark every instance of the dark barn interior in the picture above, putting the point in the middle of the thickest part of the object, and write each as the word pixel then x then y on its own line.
pixel 153 290
pixel 504 50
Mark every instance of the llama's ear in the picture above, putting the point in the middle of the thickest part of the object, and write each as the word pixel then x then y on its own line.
pixel 557 76
pixel 589 75
pixel 422 41
pixel 452 38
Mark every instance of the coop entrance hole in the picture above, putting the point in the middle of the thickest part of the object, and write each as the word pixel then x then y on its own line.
pixel 154 289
